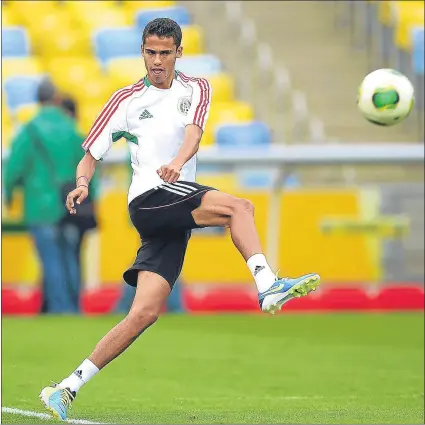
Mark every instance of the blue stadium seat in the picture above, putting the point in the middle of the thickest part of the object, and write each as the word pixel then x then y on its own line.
pixel 261 179
pixel 21 90
pixel 251 134
pixel 418 50
pixel 117 42
pixel 199 65
pixel 264 179
pixel 14 42
pixel 178 14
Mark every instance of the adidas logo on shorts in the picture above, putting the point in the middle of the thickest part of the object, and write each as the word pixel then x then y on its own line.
pixel 145 114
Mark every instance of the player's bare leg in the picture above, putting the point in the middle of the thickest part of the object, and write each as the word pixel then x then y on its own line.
pixel 222 209
pixel 151 294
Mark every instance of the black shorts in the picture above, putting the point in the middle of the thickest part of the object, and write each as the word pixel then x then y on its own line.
pixel 163 218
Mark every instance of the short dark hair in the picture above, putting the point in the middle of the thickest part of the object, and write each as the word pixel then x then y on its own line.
pixel 69 105
pixel 163 27
pixel 46 90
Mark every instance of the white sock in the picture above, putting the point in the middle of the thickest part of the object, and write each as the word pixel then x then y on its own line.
pixel 80 376
pixel 261 271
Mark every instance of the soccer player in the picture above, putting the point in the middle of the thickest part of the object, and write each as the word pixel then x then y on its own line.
pixel 163 117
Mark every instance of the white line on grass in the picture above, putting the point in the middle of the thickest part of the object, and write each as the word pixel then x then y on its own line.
pixel 32 414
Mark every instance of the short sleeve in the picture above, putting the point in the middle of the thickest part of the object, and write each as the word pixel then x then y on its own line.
pixel 200 104
pixel 110 120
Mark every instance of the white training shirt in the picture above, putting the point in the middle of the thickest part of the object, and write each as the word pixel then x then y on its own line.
pixel 153 122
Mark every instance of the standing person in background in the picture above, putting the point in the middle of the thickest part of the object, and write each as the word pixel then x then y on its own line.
pixel 43 157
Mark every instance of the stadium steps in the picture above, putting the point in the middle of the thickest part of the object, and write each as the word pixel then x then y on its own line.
pixel 322 64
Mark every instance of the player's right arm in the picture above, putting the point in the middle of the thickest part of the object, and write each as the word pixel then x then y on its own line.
pixel 107 127
pixel 85 171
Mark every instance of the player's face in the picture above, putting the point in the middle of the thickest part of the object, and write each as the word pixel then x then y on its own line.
pixel 160 56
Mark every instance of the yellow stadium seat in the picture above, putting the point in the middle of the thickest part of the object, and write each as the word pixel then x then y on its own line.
pixel 97 90
pixel 6 118
pixel 406 15
pixel 110 17
pixel 32 12
pixel 9 17
pixel 7 132
pixel 25 113
pixel 126 71
pixel 133 6
pixel 67 42
pixel 223 87
pixel 225 182
pixel 21 66
pixel 87 114
pixel 70 74
pixel 225 112
pixel 57 34
pixel 193 40
pixel 81 7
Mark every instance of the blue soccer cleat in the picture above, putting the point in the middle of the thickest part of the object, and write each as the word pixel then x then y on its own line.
pixel 57 400
pixel 286 289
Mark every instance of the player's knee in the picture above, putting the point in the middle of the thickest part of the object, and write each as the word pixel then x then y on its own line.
pixel 142 318
pixel 244 206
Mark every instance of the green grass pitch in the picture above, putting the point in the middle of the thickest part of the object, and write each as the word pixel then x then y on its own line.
pixel 311 368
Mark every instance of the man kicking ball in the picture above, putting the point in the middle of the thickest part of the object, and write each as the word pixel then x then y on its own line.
pixel 162 117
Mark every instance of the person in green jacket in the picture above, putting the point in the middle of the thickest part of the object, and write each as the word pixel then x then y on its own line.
pixel 43 156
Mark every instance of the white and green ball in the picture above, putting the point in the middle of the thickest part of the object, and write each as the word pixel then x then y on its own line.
pixel 385 97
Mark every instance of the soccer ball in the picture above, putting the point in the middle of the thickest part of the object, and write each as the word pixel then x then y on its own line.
pixel 385 97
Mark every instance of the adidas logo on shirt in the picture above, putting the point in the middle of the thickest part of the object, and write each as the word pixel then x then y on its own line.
pixel 145 114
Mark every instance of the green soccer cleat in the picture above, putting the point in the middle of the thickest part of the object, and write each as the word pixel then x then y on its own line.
pixel 286 289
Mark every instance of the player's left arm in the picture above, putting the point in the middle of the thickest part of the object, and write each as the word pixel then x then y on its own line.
pixel 195 124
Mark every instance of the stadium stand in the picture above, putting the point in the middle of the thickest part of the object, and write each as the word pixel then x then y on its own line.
pixel 102 55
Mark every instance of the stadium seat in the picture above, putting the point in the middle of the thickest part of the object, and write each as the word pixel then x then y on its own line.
pixel 226 112
pixel 231 112
pixel 96 90
pixel 110 17
pixel 8 17
pixel 87 114
pixel 176 13
pixel 132 6
pixel 7 132
pixel 21 90
pixel 254 133
pixel 32 12
pixel 6 125
pixel 27 65
pixel 125 71
pixel 68 42
pixel 407 15
pixel 223 88
pixel 89 8
pixel 199 65
pixel 418 35
pixel 71 73
pixel 193 40
pixel 14 42
pixel 26 112
pixel 111 43
pixel 256 179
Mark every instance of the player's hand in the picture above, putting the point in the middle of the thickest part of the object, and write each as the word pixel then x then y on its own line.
pixel 169 173
pixel 80 193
